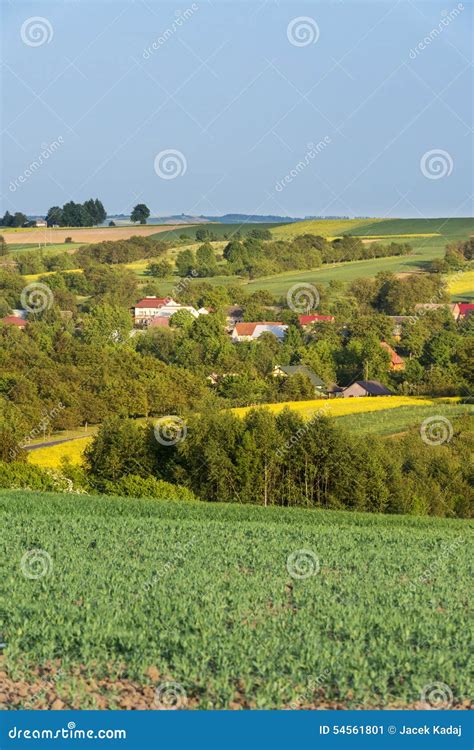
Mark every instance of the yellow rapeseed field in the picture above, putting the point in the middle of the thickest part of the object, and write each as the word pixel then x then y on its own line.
pixel 340 407
pixel 461 283
pixel 51 456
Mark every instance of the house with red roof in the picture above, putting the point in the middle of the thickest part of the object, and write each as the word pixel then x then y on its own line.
pixel 465 309
pixel 396 362
pixel 150 308
pixel 252 331
pixel 308 320
pixel 13 320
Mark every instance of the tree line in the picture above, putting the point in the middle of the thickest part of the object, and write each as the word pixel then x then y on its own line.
pixel 283 460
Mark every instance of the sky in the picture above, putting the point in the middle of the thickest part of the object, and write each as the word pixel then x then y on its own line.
pixel 331 108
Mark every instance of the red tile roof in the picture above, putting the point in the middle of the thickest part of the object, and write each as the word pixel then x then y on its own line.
pixel 394 357
pixel 12 320
pixel 307 319
pixel 151 302
pixel 159 322
pixel 466 308
pixel 247 329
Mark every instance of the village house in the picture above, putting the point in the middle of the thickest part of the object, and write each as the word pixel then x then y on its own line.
pixel 287 371
pixel 397 363
pixel 252 331
pixel 13 320
pixel 149 308
pixel 308 320
pixel 465 309
pixel 453 307
pixel 365 388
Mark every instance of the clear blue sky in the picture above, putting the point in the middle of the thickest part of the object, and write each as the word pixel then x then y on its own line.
pixel 241 102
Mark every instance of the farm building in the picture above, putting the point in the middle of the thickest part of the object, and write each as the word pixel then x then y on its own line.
pixel 287 371
pixel 251 331
pixel 366 388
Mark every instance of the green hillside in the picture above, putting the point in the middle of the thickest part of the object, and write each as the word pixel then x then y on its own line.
pixel 240 606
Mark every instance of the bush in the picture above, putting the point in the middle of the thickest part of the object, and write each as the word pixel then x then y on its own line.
pixel 22 476
pixel 135 486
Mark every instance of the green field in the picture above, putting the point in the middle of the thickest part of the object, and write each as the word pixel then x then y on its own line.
pixel 393 421
pixel 449 228
pixel 53 248
pixel 219 230
pixel 207 596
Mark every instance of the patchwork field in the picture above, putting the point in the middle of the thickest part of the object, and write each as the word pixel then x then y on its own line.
pixel 384 415
pixel 217 229
pixel 127 603
pixel 81 235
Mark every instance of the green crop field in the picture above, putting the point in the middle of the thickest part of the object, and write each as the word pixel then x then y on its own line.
pixel 393 421
pixel 236 606
pixel 219 230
